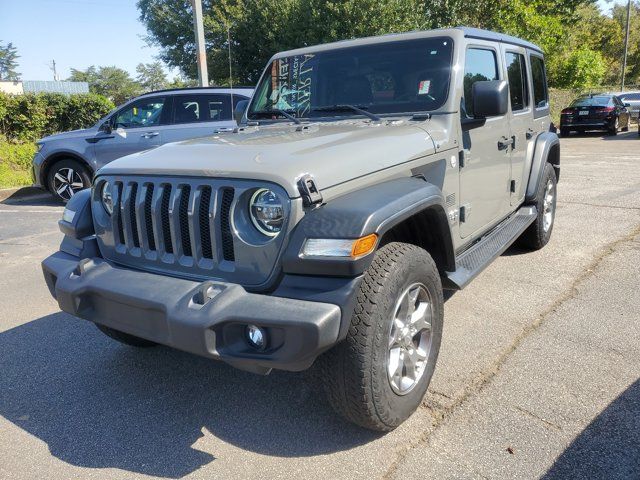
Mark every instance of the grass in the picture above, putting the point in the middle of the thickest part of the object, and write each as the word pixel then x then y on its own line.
pixel 15 163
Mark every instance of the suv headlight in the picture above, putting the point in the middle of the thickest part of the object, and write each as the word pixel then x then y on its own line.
pixel 106 198
pixel 266 212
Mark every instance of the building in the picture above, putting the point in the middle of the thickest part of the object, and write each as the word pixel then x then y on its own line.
pixel 37 86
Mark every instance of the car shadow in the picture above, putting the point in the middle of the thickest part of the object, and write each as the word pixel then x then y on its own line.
pixel 99 404
pixel 609 447
pixel 631 134
pixel 31 196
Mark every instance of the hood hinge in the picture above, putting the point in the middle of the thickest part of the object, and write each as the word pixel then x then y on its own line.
pixel 309 191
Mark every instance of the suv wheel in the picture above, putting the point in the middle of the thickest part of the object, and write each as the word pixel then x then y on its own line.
pixel 378 376
pixel 125 338
pixel 539 232
pixel 68 177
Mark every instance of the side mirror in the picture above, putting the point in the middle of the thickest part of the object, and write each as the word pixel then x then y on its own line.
pixel 106 127
pixel 490 98
pixel 627 105
pixel 238 112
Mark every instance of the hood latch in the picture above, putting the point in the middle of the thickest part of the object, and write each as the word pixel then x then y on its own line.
pixel 309 191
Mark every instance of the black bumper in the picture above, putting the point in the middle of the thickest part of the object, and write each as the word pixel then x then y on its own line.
pixel 178 313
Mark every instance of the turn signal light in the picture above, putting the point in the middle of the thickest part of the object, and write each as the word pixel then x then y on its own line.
pixel 364 245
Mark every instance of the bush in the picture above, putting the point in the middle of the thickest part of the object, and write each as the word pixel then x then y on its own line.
pixel 32 116
pixel 15 163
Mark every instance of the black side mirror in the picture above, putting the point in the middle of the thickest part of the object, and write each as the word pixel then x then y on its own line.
pixel 238 112
pixel 106 127
pixel 490 98
pixel 627 105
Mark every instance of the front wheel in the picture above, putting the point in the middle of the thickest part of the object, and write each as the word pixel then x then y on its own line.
pixel 66 178
pixel 378 375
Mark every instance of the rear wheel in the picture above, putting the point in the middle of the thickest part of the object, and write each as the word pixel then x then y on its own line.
pixel 615 127
pixel 125 338
pixel 539 232
pixel 564 132
pixel 66 178
pixel 378 375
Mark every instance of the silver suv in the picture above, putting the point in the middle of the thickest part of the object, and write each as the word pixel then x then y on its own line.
pixel 65 162
pixel 366 177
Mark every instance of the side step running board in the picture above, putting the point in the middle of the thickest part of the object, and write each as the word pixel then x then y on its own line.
pixel 474 260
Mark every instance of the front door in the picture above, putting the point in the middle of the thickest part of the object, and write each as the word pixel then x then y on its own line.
pixel 485 173
pixel 136 127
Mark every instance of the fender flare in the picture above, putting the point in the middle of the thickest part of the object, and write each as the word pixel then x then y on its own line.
pixel 544 144
pixel 375 209
pixel 54 157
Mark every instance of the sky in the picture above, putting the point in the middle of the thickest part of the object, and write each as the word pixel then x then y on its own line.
pixel 80 33
pixel 74 33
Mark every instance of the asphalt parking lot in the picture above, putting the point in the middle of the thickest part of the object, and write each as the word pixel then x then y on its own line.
pixel 538 376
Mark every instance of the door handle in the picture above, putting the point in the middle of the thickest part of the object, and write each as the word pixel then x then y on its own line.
pixel 150 134
pixel 505 143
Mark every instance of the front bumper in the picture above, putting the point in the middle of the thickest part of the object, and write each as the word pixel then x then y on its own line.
pixel 179 313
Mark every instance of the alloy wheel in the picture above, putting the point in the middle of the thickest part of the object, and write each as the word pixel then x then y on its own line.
pixel 548 206
pixel 66 182
pixel 409 338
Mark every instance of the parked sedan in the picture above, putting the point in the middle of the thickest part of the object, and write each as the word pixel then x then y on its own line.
pixel 632 101
pixel 65 162
pixel 595 112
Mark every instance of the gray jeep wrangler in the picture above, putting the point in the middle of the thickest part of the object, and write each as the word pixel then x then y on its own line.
pixel 365 177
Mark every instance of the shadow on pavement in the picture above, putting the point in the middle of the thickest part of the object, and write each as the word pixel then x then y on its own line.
pixel 30 196
pixel 99 404
pixel 609 447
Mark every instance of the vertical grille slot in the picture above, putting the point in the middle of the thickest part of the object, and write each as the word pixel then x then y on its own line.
pixel 117 206
pixel 132 214
pixel 203 218
pixel 164 213
pixel 225 224
pixel 148 218
pixel 183 213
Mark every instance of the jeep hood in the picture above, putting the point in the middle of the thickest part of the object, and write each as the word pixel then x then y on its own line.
pixel 333 152
pixel 85 132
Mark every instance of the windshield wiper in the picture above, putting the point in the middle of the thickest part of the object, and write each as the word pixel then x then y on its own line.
pixel 347 108
pixel 275 111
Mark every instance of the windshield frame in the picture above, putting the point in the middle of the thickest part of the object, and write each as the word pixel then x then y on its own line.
pixel 332 116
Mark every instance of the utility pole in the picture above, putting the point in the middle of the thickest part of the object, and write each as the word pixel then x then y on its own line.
pixel 55 72
pixel 626 45
pixel 201 53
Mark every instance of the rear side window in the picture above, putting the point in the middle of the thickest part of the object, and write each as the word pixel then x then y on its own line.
pixel 201 108
pixel 517 74
pixel 540 94
pixel 480 65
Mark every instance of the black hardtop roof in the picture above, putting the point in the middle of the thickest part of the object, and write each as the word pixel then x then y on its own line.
pixel 481 34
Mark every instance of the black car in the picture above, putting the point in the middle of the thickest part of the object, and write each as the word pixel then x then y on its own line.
pixel 595 112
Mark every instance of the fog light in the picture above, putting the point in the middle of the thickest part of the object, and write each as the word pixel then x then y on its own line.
pixel 257 337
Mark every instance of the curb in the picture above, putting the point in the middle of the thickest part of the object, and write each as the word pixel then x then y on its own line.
pixel 20 193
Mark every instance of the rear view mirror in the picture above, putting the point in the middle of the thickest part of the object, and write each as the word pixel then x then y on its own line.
pixel 106 127
pixel 238 112
pixel 490 98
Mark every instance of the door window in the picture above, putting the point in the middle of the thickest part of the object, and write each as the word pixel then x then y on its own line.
pixel 540 94
pixel 142 113
pixel 202 108
pixel 480 65
pixel 517 75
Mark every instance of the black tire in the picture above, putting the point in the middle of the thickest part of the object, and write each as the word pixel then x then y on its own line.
pixel 613 129
pixel 125 338
pixel 354 372
pixel 537 235
pixel 564 132
pixel 80 178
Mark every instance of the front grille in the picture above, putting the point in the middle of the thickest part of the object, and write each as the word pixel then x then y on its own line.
pixel 173 219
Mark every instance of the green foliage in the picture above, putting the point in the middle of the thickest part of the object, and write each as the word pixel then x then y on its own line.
pixel 151 76
pixel 583 68
pixel 112 82
pixel 9 62
pixel 32 116
pixel 15 163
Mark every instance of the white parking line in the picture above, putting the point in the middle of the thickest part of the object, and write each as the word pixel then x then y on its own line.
pixel 56 210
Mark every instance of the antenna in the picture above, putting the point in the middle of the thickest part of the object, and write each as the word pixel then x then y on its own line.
pixel 230 71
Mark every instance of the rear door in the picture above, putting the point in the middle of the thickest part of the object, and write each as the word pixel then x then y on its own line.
pixel 520 118
pixel 484 178
pixel 136 127
pixel 199 115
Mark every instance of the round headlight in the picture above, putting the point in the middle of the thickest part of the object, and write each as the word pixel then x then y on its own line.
pixel 105 196
pixel 267 212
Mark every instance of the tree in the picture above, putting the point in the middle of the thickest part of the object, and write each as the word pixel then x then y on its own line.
pixel 111 82
pixel 584 68
pixel 151 76
pixel 9 62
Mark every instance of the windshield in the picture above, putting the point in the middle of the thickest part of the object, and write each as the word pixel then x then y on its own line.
pixel 598 101
pixel 382 78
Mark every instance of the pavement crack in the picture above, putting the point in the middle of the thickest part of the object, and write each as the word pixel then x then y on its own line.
pixel 538 418
pixel 586 204
pixel 440 412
